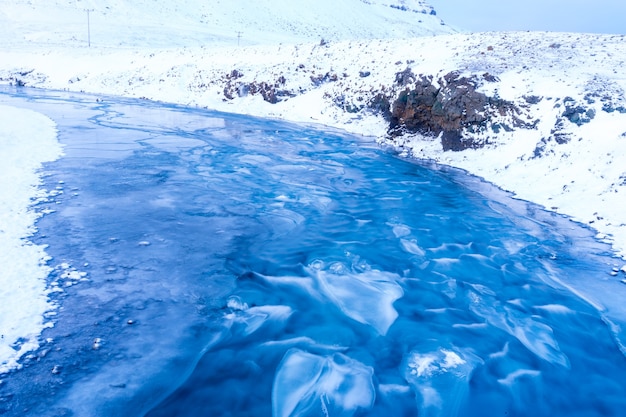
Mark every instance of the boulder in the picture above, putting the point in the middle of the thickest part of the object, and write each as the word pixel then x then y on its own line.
pixel 450 107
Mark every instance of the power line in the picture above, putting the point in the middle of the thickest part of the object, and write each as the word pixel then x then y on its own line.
pixel 88 28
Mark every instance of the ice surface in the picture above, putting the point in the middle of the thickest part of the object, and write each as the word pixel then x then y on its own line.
pixel 442 379
pixel 520 373
pixel 251 319
pixel 366 297
pixel 401 230
pixel 291 263
pixel 308 385
pixel 536 336
pixel 411 246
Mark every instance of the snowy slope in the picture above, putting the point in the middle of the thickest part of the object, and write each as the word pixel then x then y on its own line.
pixel 117 23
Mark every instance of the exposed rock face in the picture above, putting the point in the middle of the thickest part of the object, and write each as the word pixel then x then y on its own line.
pixel 451 106
pixel 272 93
pixel 577 114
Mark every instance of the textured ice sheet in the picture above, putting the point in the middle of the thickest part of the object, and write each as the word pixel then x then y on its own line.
pixel 310 385
pixel 268 243
pixel 441 379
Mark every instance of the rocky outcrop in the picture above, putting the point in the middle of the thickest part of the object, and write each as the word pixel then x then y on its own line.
pixel 271 92
pixel 451 107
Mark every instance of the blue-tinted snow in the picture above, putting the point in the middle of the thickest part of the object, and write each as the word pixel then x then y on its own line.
pixel 239 266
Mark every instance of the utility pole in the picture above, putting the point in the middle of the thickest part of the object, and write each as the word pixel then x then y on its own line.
pixel 238 37
pixel 88 28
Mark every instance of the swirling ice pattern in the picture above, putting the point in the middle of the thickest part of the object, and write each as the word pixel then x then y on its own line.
pixel 273 269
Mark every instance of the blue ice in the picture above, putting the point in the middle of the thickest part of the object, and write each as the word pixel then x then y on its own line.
pixel 441 379
pixel 366 297
pixel 536 336
pixel 314 385
pixel 294 271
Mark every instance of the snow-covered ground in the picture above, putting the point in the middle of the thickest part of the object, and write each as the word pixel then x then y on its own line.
pixel 27 139
pixel 184 23
pixel 253 58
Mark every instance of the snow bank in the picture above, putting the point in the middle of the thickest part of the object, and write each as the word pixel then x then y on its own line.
pixel 27 139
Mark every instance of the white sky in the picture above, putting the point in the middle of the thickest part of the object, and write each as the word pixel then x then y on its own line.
pixel 600 16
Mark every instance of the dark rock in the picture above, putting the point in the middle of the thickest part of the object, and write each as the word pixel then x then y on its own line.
pixel 540 149
pixel 380 104
pixel 234 75
pixel 364 74
pixel 243 90
pixel 532 99
pixel 453 141
pixel 270 92
pixel 347 106
pixel 496 127
pixel 590 113
pixel 450 108
pixel 562 138
pixel 610 108
pixel 589 98
pixel 320 79
pixel 490 78
pixel 577 114
pixel 395 6
pixel 228 92
pixel 413 109
pixel 405 77
pixel 267 91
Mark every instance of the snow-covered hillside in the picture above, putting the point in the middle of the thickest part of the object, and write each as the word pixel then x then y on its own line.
pixel 119 23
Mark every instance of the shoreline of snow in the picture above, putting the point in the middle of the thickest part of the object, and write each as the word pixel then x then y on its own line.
pixel 331 84
pixel 27 139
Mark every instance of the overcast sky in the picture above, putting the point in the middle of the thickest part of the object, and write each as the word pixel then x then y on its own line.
pixel 599 16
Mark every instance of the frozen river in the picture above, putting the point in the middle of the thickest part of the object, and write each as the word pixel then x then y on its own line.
pixel 208 264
